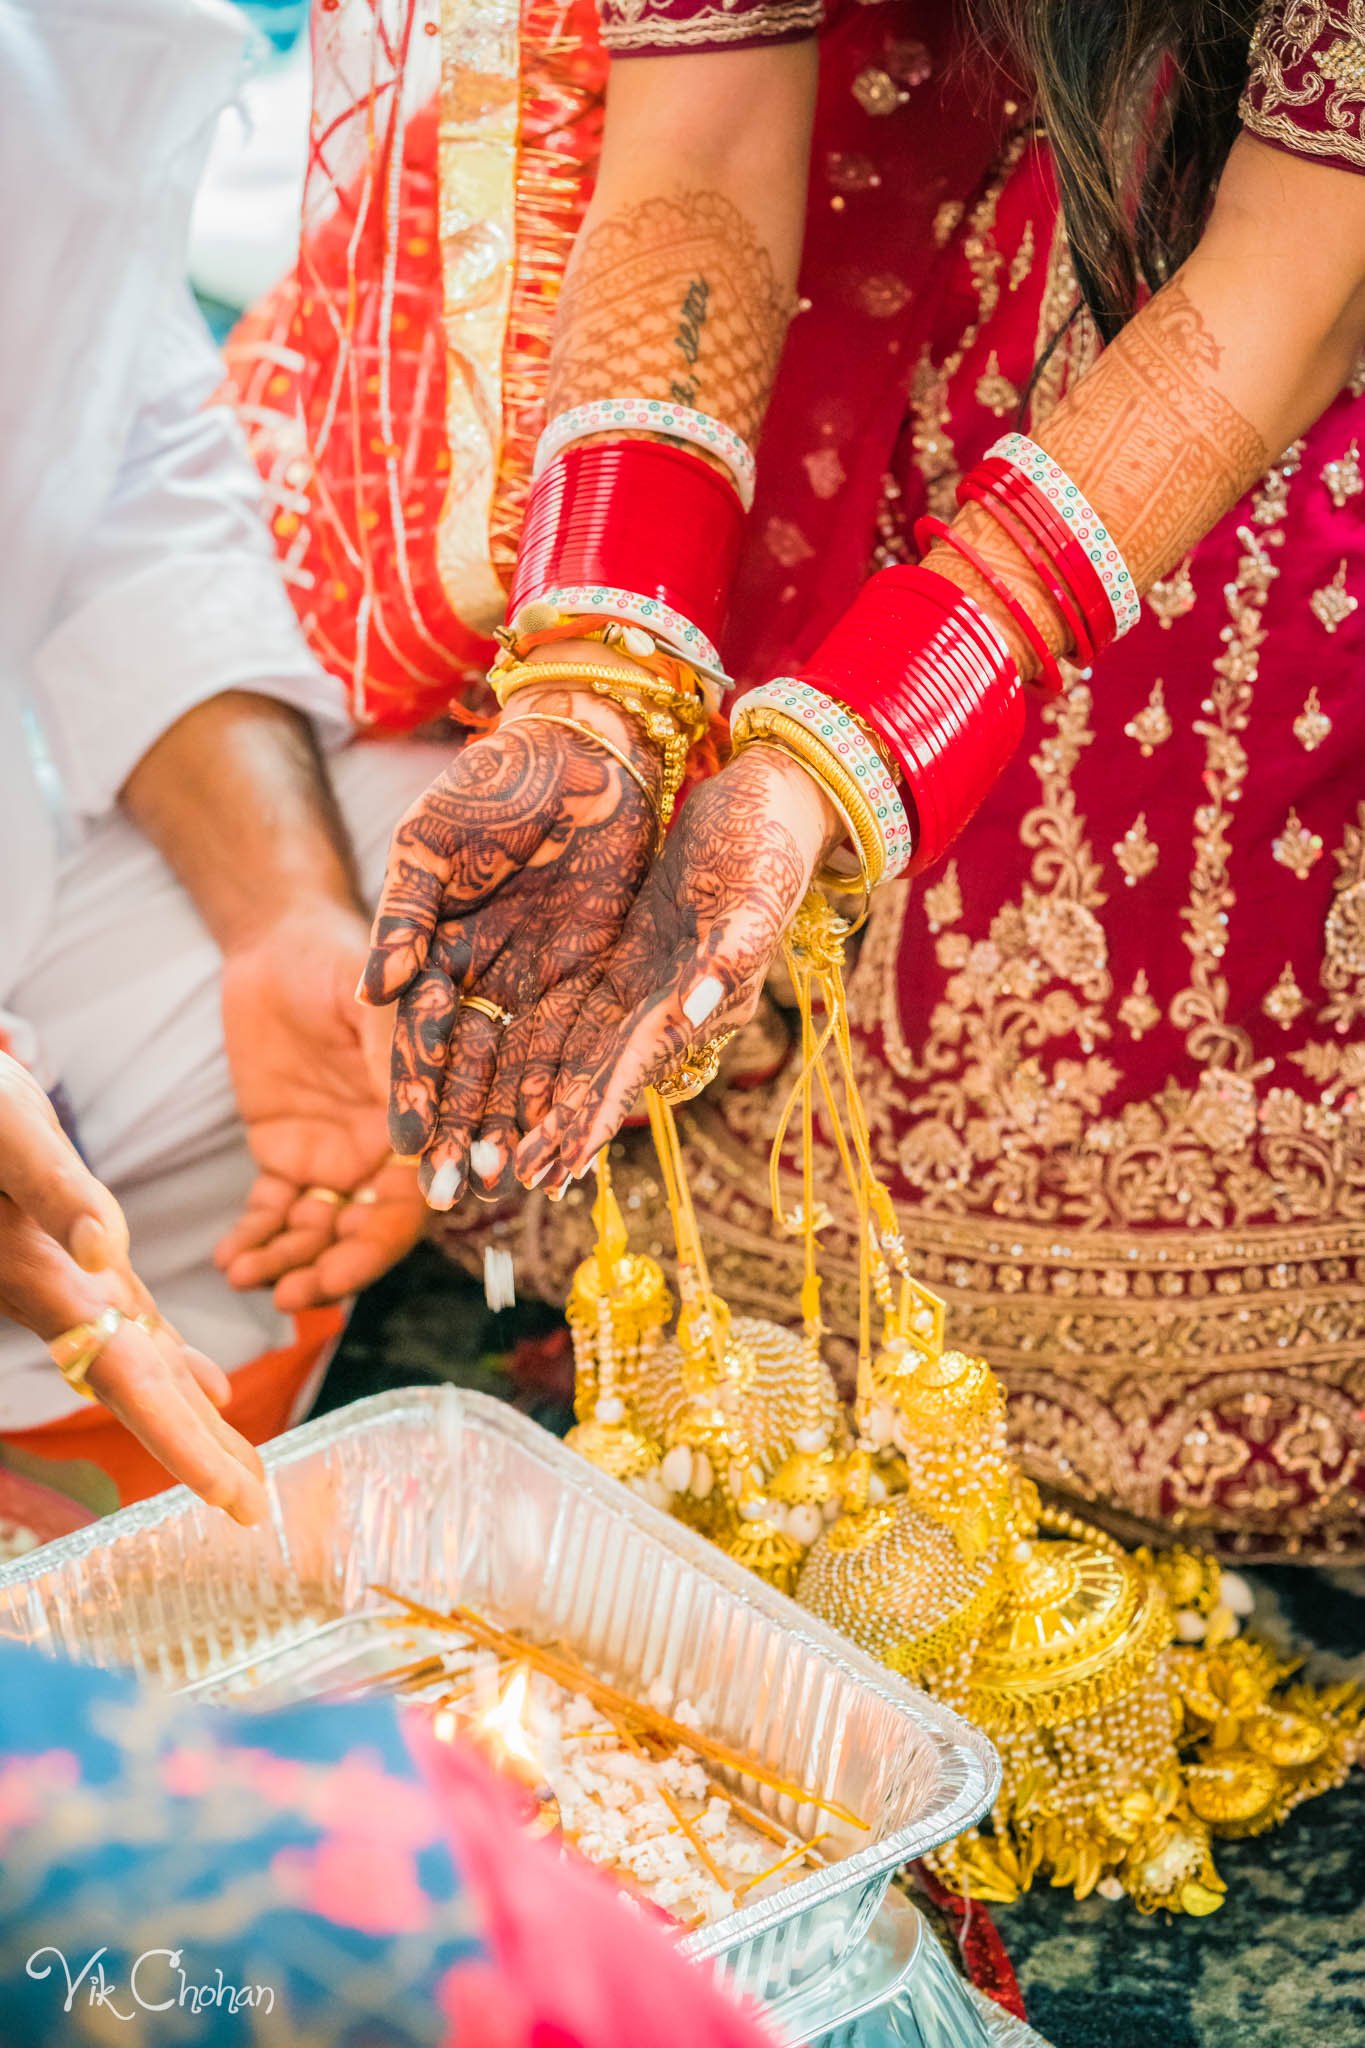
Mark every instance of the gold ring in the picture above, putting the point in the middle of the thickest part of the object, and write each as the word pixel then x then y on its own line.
pixel 364 1198
pixel 492 1011
pixel 331 1195
pixel 76 1350
pixel 695 1071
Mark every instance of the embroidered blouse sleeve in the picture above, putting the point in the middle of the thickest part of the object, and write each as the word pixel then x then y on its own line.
pixel 661 28
pixel 1306 88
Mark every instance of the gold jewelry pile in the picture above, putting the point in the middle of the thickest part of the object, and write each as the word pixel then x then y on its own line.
pixel 1133 1722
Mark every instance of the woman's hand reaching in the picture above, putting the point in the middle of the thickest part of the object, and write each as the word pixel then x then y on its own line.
pixel 693 956
pixel 64 1262
pixel 509 882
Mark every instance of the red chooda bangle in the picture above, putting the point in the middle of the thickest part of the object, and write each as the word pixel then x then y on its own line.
pixel 1047 677
pixel 919 662
pixel 1011 486
pixel 634 516
pixel 979 490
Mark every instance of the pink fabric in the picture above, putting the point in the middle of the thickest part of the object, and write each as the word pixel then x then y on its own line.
pixel 573 1966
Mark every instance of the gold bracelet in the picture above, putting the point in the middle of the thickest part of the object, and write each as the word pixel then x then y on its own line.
pixel 506 679
pixel 672 720
pixel 839 783
pixel 608 747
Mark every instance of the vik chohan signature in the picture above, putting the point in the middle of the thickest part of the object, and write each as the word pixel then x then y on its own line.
pixel 156 1983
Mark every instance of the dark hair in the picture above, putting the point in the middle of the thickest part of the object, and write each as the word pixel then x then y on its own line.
pixel 1139 102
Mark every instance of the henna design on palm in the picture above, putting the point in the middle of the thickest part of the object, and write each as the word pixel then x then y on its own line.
pixel 690 963
pixel 509 879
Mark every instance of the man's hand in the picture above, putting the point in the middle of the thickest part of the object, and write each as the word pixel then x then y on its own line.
pixel 509 881
pixel 64 1260
pixel 694 954
pixel 331 1208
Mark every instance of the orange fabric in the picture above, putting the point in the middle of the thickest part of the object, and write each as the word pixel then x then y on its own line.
pixel 264 1392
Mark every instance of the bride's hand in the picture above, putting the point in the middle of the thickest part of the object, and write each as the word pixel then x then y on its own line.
pixel 508 882
pixel 694 954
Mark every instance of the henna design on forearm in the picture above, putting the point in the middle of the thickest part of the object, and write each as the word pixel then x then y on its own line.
pixel 1154 445
pixel 714 908
pixel 1152 441
pixel 674 298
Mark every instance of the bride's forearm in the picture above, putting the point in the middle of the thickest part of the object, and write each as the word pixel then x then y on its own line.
pixel 683 277
pixel 1218 373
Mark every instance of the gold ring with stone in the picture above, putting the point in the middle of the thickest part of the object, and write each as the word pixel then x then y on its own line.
pixel 493 1011
pixel 77 1349
pixel 695 1071
pixel 333 1196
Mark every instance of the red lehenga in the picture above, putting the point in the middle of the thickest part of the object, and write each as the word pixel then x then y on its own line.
pixel 1112 1050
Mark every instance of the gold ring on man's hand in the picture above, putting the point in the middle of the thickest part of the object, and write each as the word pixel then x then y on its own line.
pixel 332 1196
pixel 695 1071
pixel 493 1011
pixel 77 1349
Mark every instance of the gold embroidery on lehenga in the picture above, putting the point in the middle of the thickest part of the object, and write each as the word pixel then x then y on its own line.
pixel 995 391
pixel 1295 71
pixel 1333 604
pixel 1343 967
pixel 1312 726
pixel 1170 597
pixel 1138 1013
pixel 1151 727
pixel 1286 1002
pixel 1137 852
pixel 629 25
pixel 930 441
pixel 1296 848
pixel 1342 476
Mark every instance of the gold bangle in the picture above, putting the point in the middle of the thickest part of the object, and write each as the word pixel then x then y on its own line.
pixel 790 737
pixel 608 747
pixel 506 678
pixel 672 720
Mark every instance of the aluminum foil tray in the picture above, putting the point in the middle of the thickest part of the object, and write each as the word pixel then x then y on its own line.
pixel 452 1497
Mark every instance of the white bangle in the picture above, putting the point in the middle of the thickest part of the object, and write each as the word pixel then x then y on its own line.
pixel 652 416
pixel 1057 487
pixel 674 634
pixel 839 731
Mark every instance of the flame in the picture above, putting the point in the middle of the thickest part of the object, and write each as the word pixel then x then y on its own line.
pixel 505 1721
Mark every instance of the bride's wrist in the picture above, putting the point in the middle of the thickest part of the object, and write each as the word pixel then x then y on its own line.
pixel 805 803
pixel 600 714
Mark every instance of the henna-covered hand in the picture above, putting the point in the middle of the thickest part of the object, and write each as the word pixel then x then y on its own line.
pixel 509 880
pixel 692 959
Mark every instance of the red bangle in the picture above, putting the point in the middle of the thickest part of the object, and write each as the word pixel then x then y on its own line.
pixel 633 516
pixel 1048 679
pixel 1032 506
pixel 980 490
pixel 918 661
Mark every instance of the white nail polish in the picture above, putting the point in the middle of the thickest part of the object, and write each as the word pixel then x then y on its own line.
pixel 538 1176
pixel 698 1006
pixel 485 1158
pixel 445 1185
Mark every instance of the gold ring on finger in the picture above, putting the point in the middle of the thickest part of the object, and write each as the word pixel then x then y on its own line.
pixel 77 1349
pixel 493 1011
pixel 332 1196
pixel 695 1071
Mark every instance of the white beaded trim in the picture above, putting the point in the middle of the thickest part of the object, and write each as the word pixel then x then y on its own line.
pixel 675 634
pixel 1057 487
pixel 841 733
pixel 652 416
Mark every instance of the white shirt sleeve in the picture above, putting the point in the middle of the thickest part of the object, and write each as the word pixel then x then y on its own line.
pixel 177 595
